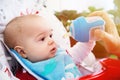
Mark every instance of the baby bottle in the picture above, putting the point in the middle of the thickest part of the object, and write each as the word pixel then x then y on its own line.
pixel 81 28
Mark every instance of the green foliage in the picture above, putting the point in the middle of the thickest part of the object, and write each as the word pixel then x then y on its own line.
pixel 66 16
pixel 117 3
pixel 116 14
pixel 92 9
pixel 118 28
pixel 113 57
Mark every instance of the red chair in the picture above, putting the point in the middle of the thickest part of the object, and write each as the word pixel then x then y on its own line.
pixel 110 71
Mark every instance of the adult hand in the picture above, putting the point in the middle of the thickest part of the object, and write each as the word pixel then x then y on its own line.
pixel 110 36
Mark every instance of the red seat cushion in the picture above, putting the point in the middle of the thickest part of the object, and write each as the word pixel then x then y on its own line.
pixel 110 71
pixel 24 75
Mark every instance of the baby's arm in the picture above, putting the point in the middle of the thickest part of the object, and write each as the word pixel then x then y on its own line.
pixel 111 37
pixel 81 50
pixel 84 58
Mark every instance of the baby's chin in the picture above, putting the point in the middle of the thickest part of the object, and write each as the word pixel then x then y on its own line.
pixel 53 53
pixel 52 56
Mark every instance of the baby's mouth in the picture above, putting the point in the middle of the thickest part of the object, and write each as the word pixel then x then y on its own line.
pixel 53 50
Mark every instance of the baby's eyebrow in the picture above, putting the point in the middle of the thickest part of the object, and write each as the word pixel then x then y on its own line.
pixel 50 30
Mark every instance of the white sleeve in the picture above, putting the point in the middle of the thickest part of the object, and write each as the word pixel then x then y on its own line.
pixel 81 50
pixel 84 58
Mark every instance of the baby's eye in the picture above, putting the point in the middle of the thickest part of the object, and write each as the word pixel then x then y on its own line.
pixel 42 39
pixel 51 35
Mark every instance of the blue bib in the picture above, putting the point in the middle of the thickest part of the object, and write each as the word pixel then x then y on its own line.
pixel 60 67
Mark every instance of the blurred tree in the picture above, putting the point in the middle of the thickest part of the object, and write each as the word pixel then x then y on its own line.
pixel 92 9
pixel 116 14
pixel 66 15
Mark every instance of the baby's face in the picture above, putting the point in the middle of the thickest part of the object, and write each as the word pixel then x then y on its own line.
pixel 37 39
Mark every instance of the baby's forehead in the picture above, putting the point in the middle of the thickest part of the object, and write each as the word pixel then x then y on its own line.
pixel 32 19
pixel 25 18
pixel 29 22
pixel 35 24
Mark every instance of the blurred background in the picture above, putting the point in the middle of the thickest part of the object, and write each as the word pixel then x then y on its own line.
pixel 68 10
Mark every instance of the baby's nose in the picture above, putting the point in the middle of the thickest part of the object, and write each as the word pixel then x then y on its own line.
pixel 51 41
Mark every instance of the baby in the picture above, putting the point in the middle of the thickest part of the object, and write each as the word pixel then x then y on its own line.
pixel 31 37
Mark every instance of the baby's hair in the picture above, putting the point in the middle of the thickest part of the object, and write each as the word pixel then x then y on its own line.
pixel 14 28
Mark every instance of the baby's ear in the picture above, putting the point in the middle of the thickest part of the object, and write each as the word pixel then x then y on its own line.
pixel 21 51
